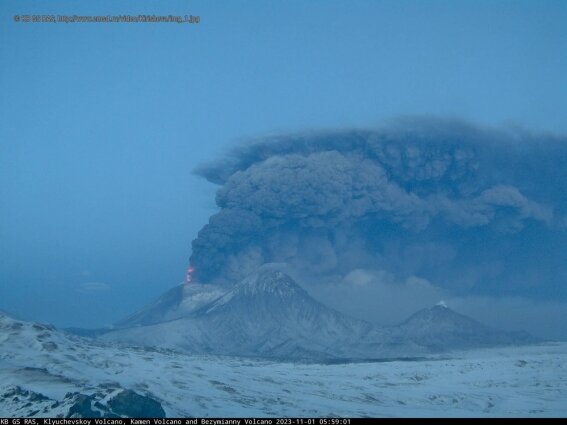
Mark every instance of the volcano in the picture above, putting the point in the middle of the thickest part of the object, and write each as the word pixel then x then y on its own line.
pixel 269 315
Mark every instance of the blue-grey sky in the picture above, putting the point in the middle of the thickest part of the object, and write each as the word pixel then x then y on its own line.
pixel 101 125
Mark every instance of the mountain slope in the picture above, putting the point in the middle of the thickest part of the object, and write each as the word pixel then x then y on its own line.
pixel 439 328
pixel 176 303
pixel 267 314
pixel 47 373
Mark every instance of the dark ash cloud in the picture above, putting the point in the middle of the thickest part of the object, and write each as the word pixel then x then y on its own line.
pixel 325 202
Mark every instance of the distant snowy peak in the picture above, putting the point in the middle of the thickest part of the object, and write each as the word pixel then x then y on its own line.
pixel 441 328
pixel 441 314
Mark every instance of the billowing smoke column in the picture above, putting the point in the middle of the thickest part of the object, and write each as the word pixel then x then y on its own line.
pixel 323 202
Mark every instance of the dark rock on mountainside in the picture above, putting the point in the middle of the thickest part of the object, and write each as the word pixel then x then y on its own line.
pixel 133 405
pixel 126 403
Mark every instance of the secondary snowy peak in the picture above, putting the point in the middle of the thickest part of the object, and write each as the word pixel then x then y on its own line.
pixel 440 328
pixel 441 314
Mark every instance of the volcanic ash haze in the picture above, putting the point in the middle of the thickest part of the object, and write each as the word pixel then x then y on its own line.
pixel 469 208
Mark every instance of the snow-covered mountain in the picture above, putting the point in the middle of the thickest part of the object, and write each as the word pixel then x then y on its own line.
pixel 269 315
pixel 46 373
pixel 439 328
pixel 266 314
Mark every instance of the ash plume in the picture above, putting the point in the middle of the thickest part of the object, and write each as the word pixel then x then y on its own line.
pixel 327 203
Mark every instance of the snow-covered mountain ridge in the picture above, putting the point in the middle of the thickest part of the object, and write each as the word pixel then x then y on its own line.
pixel 269 315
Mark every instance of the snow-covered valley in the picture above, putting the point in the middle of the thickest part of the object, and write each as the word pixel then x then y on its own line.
pixel 44 372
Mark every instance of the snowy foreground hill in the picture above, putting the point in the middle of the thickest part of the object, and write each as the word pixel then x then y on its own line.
pixel 44 372
pixel 269 315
